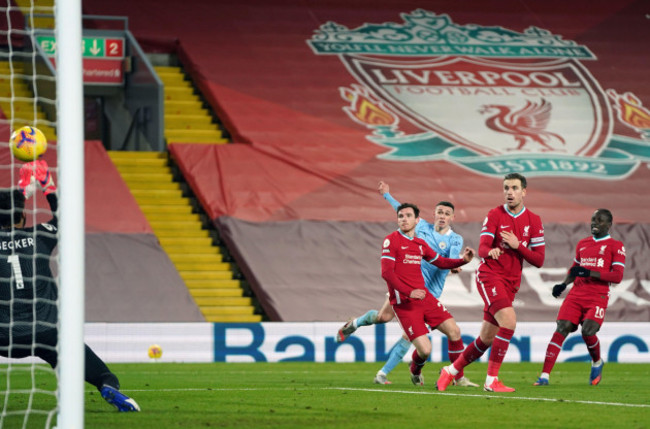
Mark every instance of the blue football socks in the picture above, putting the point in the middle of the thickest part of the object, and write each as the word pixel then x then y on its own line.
pixel 397 353
pixel 367 319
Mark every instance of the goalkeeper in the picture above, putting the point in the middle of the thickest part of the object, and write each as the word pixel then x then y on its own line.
pixel 28 290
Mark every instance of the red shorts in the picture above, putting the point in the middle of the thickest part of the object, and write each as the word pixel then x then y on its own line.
pixel 497 293
pixel 414 316
pixel 579 306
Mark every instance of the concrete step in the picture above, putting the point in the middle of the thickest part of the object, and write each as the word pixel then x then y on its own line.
pixel 172 217
pixel 185 208
pixel 177 82
pixel 195 248
pixel 171 233
pixel 160 199
pixel 20 106
pixel 140 162
pixel 142 168
pixel 199 266
pixel 205 283
pixel 128 154
pixel 186 242
pixel 171 105
pixel 205 275
pixel 151 186
pixel 174 79
pixel 209 293
pixel 147 177
pixel 180 94
pixel 178 225
pixel 199 140
pixel 183 134
pixel 198 258
pixel 168 69
pixel 224 310
pixel 232 318
pixel 189 122
pixel 223 301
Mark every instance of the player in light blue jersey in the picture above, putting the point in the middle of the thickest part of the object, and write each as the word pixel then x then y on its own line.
pixel 445 242
pixel 440 237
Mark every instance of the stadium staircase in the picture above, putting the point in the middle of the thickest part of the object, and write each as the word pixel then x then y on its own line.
pixel 41 8
pixel 181 231
pixel 184 231
pixel 23 101
pixel 186 118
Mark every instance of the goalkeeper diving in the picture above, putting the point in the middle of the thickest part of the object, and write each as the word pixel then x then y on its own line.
pixel 28 290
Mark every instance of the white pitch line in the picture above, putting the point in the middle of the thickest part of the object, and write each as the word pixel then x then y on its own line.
pixel 521 398
pixel 410 392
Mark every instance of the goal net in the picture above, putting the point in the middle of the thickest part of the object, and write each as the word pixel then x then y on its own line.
pixel 33 254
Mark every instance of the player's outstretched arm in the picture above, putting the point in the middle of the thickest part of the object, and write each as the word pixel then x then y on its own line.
pixel 43 176
pixel 383 188
pixel 468 254
pixel 384 191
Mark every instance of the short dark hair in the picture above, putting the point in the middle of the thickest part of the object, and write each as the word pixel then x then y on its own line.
pixel 607 214
pixel 512 176
pixel 446 204
pixel 415 208
pixel 11 212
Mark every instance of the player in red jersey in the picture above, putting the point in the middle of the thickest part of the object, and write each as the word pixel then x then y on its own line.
pixel 511 234
pixel 414 306
pixel 599 262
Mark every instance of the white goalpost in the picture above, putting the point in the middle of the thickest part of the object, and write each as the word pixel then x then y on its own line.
pixel 22 379
pixel 69 79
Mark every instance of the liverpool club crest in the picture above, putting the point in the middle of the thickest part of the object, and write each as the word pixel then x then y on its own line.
pixel 487 98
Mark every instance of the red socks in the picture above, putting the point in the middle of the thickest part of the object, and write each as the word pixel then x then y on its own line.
pixel 472 352
pixel 499 349
pixel 593 346
pixel 553 351
pixel 417 363
pixel 455 349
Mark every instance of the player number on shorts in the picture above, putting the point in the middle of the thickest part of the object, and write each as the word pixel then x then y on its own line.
pixel 18 273
pixel 600 313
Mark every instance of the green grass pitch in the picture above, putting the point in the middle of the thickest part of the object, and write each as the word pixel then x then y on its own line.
pixel 342 395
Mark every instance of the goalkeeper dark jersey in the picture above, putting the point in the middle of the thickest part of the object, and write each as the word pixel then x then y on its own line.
pixel 28 291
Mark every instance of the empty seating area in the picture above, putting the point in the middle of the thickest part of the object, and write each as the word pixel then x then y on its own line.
pixel 282 117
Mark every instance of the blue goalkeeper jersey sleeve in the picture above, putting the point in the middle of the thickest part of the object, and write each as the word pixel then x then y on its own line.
pixel 448 245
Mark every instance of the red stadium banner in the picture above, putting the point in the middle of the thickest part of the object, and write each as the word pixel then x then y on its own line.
pixel 324 101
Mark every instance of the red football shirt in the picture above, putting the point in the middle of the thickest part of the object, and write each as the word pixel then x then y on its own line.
pixel 401 259
pixel 528 228
pixel 604 255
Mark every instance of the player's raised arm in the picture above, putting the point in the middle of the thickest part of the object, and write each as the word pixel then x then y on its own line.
pixel 384 191
pixel 38 172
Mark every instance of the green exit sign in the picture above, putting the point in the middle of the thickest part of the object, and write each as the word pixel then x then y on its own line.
pixel 92 47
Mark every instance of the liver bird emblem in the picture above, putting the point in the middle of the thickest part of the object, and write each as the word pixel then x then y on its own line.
pixel 527 125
